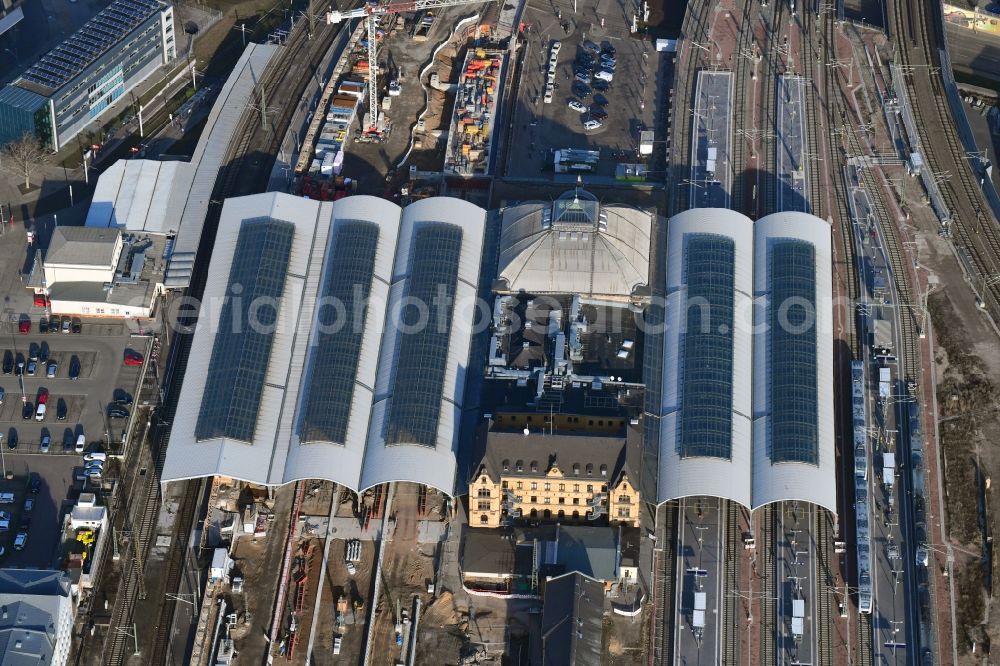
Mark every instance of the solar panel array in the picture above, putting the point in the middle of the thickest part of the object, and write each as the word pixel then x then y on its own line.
pixel 350 269
pixel 791 321
pixel 423 349
pixel 87 44
pixel 242 346
pixel 706 423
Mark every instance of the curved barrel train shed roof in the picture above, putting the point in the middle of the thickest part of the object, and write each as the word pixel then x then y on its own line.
pixel 336 338
pixel 747 398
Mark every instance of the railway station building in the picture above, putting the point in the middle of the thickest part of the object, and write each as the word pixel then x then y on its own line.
pixel 746 409
pixel 335 338
pixel 79 80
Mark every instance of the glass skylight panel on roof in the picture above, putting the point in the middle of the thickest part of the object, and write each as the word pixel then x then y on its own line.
pixel 242 345
pixel 415 407
pixel 706 420
pixel 791 352
pixel 350 269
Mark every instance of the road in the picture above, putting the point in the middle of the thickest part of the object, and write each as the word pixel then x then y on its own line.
pixel 976 53
pixel 700 547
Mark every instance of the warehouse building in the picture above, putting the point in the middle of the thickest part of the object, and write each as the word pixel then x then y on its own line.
pixel 336 342
pixel 78 81
pixel 747 394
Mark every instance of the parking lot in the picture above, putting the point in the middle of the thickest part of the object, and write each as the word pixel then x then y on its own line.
pixel 73 406
pixel 628 101
pixel 56 494
pixel 82 403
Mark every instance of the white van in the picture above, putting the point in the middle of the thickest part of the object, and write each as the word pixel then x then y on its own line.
pixel 81 443
pixel 40 412
pixel 6 498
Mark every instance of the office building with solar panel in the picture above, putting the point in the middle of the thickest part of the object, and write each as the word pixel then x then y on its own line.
pixel 75 83
pixel 334 343
pixel 747 394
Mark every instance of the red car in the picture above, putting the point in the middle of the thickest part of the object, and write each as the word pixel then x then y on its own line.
pixel 133 358
pixel 24 326
pixel 41 301
pixel 43 397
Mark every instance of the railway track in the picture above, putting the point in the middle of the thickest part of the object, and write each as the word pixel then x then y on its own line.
pixel 825 598
pixel 865 636
pixel 773 68
pixel 694 29
pixel 665 609
pixel 733 556
pixel 247 169
pixel 973 228
pixel 810 72
pixel 769 589
pixel 907 312
pixel 742 166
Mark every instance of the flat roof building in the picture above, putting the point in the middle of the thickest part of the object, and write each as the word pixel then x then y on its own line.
pixel 80 79
pixel 747 394
pixel 171 199
pixel 336 339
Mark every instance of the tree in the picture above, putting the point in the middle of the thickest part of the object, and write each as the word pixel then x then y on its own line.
pixel 24 156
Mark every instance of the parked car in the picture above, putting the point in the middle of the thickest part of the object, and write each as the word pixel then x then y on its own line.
pixel 43 325
pixel 40 412
pixel 589 46
pixel 122 397
pixel 606 47
pixel 598 113
pixel 592 124
pixel 43 396
pixel 27 411
pixel 582 76
pixel 8 362
pixel 34 483
pixel 12 438
pixel 61 410
pixel 39 301
pixel 117 412
pixel 24 326
pixel 66 322
pixel 602 85
pixel 77 325
pixel 46 442
pixel 43 352
pixel 19 366
pixel 3 394
pixel 133 358
pixel 53 367
pixel 20 541
pixel 556 45
pixel 81 443
pixel 29 504
pixel 74 368
pixel 33 352
pixel 600 99
pixel 95 455
pixel 605 75
pixel 576 106
pixel 32 366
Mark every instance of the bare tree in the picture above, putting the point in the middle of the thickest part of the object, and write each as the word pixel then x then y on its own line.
pixel 24 156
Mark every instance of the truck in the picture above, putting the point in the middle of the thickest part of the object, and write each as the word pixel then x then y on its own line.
pixel 888 469
pixel 698 615
pixel 798 617
pixel 884 383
